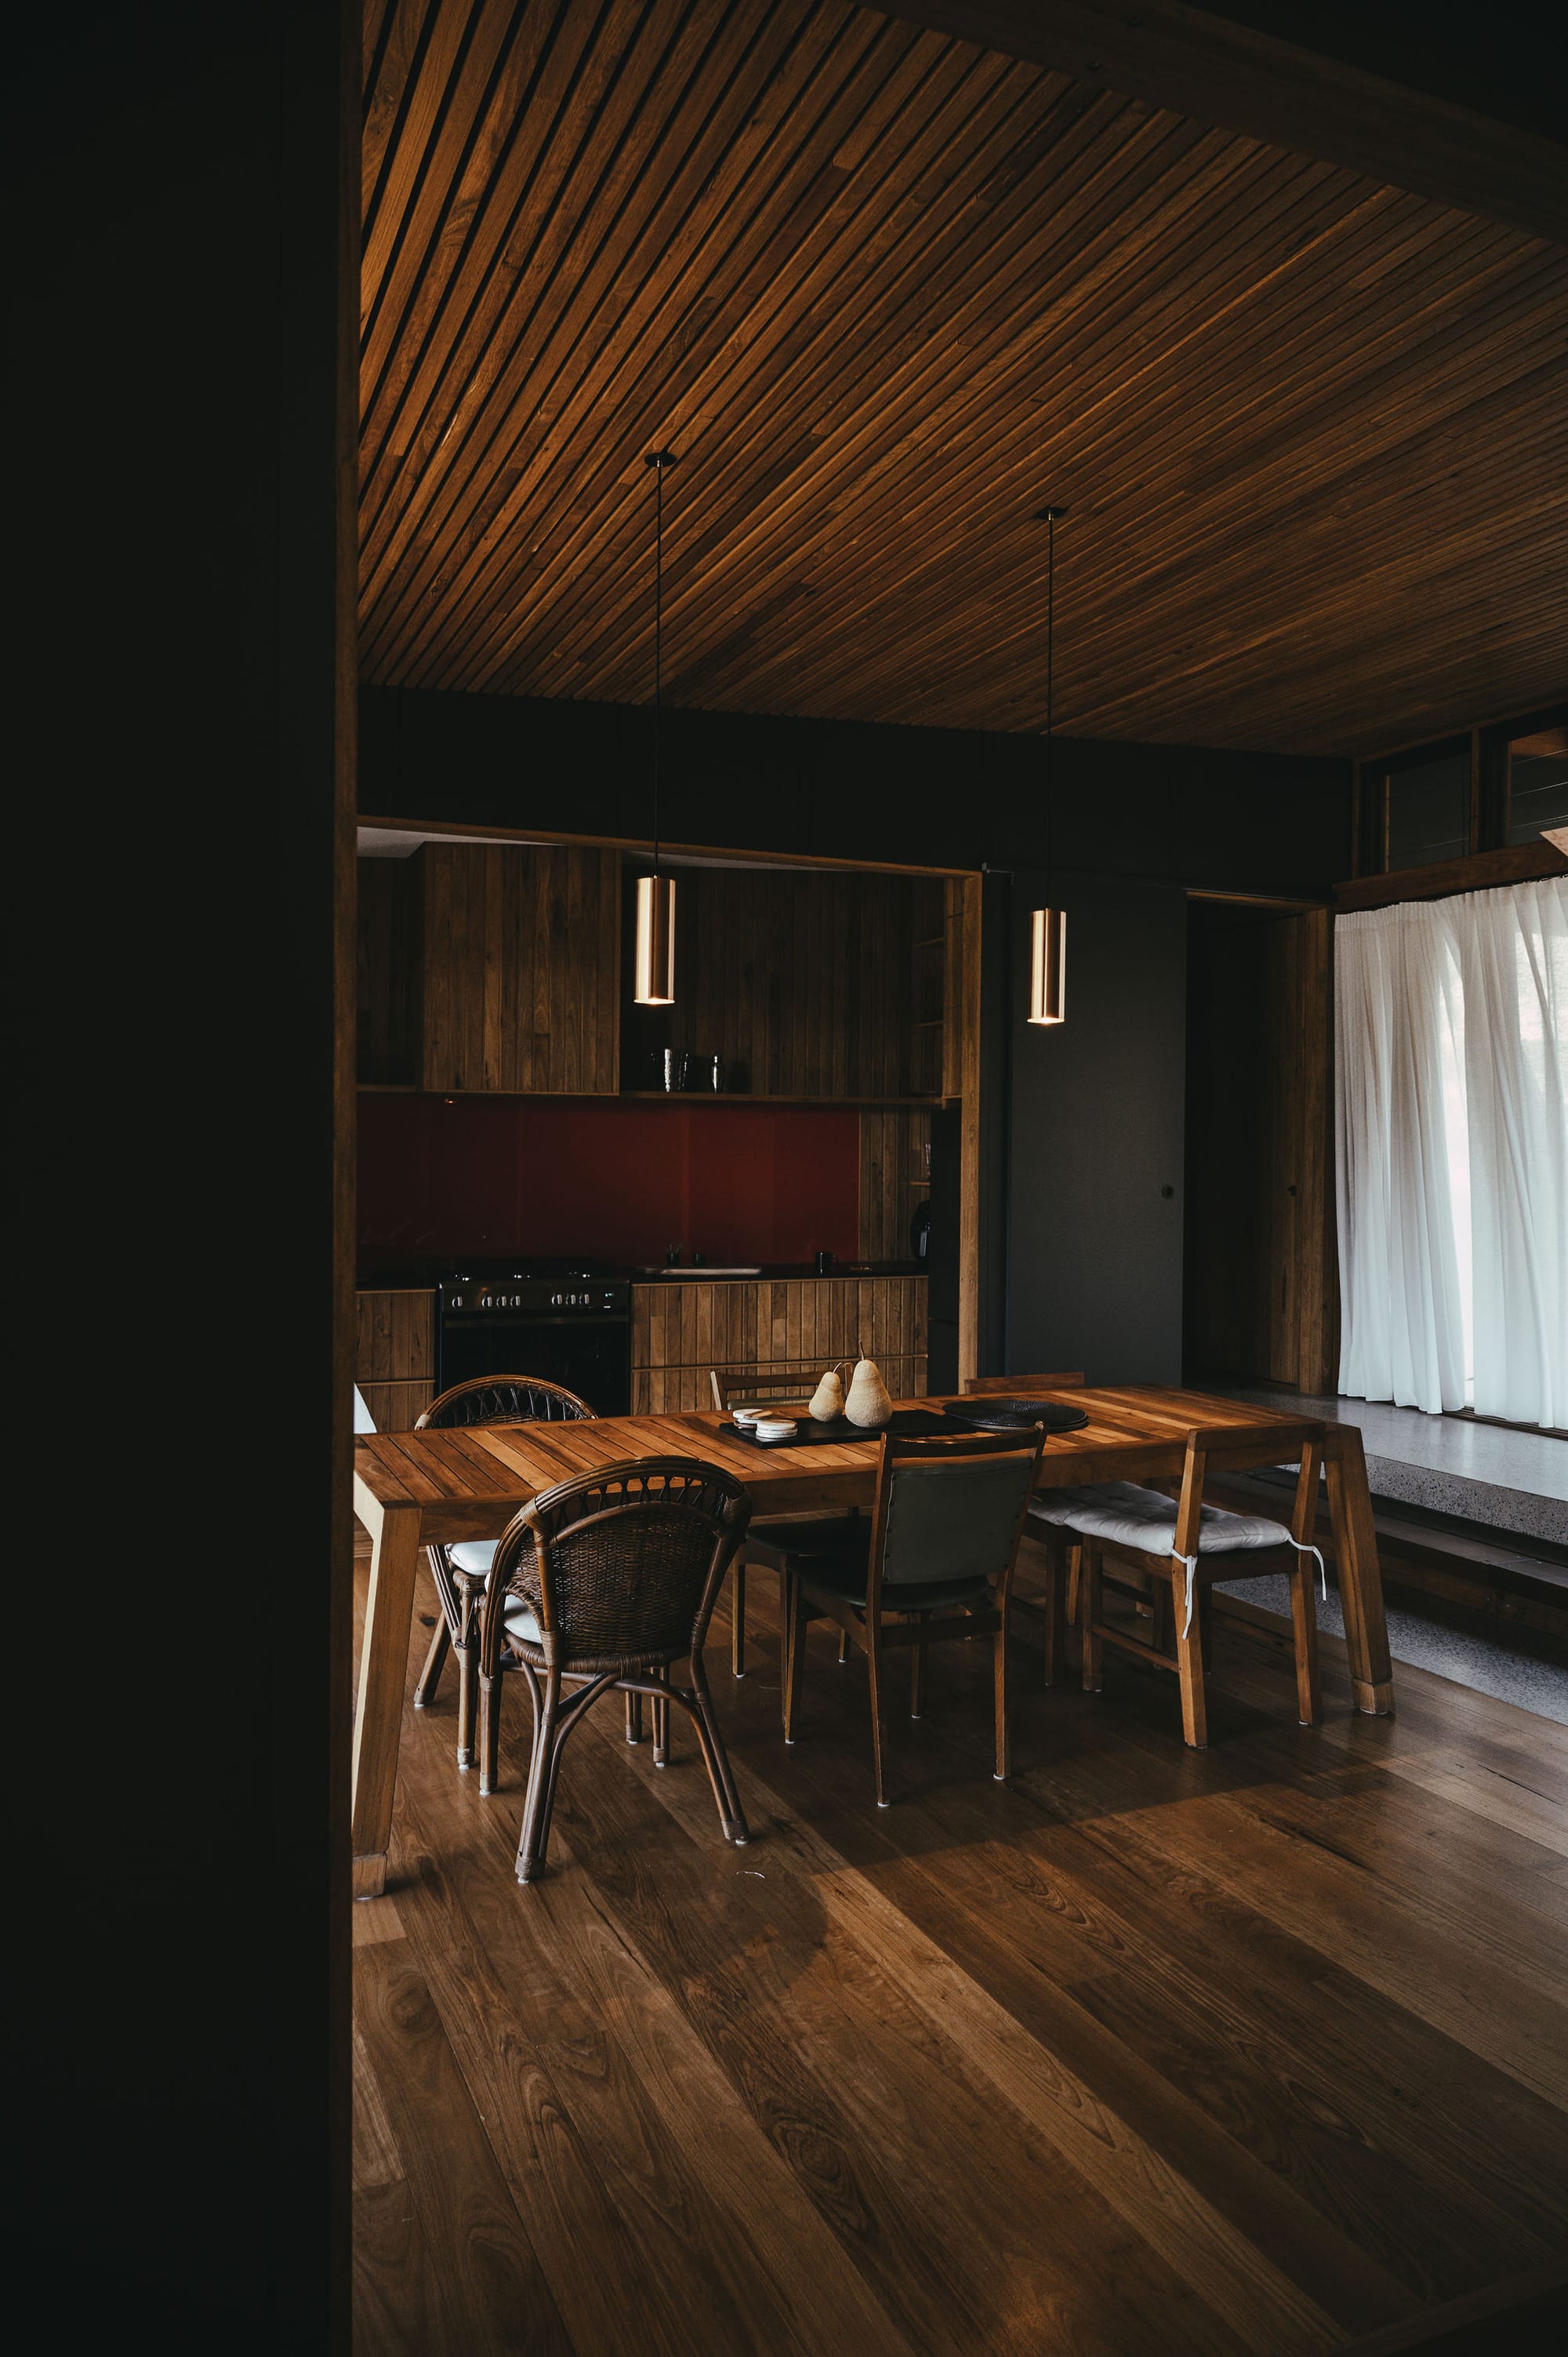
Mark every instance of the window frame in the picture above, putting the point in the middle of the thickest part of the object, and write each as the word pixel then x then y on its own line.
pixel 1490 783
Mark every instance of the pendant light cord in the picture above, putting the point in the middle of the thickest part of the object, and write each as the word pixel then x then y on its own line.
pixel 1047 516
pixel 1051 680
pixel 658 633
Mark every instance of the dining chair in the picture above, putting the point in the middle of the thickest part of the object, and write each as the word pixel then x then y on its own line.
pixel 461 1572
pixel 938 1551
pixel 779 1544
pixel 1063 1555
pixel 606 1581
pixel 1184 1547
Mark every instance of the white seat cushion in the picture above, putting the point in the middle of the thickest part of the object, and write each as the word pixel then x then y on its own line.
pixel 520 1621
pixel 473 1555
pixel 1125 1515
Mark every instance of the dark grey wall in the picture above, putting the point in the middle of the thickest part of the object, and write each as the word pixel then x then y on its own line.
pixel 1094 1260
pixel 1248 821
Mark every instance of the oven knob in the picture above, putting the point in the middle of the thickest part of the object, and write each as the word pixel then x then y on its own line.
pixel 517 1301
pixel 555 1300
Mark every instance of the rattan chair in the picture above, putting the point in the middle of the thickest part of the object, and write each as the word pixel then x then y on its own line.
pixel 1184 1547
pixel 942 1542
pixel 462 1571
pixel 606 1581
pixel 781 1543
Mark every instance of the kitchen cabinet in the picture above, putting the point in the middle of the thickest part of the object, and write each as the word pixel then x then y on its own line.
pixel 520 973
pixel 815 986
pixel 491 966
pixel 394 1360
pixel 683 1327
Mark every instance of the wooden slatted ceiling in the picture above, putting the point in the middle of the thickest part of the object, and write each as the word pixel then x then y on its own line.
pixel 884 293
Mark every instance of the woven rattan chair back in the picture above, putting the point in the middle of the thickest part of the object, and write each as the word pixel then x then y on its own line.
pixel 484 1399
pixel 505 1399
pixel 620 1568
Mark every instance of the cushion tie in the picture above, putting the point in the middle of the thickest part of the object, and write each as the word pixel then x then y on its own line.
pixel 1302 1548
pixel 1191 1563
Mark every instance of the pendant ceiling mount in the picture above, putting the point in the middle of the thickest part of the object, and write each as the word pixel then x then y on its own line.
pixel 655 957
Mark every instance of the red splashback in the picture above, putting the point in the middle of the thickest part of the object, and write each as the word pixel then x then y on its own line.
pixel 735 1182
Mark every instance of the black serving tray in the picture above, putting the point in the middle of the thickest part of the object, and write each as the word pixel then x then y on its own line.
pixel 905 1424
pixel 985 1413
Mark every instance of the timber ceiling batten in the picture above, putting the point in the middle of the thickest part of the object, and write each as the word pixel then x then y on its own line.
pixel 880 289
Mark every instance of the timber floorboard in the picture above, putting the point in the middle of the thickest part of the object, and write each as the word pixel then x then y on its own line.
pixel 1261 2050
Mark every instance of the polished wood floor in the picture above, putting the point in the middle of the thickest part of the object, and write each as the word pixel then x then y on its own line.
pixel 1263 2049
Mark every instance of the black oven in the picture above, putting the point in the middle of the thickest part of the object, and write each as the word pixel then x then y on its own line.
pixel 570 1323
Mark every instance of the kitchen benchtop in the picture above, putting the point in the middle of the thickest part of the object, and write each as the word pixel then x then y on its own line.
pixel 422 1276
pixel 776 1272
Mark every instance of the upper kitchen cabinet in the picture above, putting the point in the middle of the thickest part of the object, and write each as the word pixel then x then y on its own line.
pixel 491 966
pixel 817 985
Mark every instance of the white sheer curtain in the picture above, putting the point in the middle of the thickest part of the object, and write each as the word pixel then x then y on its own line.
pixel 1450 1089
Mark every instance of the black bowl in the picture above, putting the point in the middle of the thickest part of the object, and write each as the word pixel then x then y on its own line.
pixel 987 1413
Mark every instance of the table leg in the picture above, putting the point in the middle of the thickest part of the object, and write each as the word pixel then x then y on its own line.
pixel 1361 1580
pixel 383 1673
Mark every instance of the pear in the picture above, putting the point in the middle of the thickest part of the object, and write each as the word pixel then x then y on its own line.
pixel 827 1400
pixel 868 1403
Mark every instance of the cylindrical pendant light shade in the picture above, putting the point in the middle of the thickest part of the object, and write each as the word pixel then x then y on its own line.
pixel 1047 967
pixel 656 940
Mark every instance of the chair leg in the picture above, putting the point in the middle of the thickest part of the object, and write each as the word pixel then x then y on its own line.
pixel 732 1816
pixel 1189 1664
pixel 1056 1608
pixel 466 1645
pixel 490 1722
pixel 795 1659
pixel 661 1724
pixel 633 1719
pixel 1074 1575
pixel 1003 1716
pixel 1089 1616
pixel 737 1624
pixel 435 1662
pixel 873 1650
pixel 916 1666
pixel 1304 1625
pixel 844 1647
pixel 535 1835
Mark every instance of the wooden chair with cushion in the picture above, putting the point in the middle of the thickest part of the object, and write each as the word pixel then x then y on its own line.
pixel 461 1572
pixel 778 1544
pixel 938 1553
pixel 606 1581
pixel 1186 1547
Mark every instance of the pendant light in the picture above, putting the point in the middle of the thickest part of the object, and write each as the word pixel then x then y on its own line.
pixel 655 961
pixel 1048 948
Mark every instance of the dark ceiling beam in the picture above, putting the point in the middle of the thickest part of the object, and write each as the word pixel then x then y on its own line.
pixel 1228 76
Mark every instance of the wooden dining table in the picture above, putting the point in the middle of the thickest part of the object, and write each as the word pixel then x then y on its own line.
pixel 414 1489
